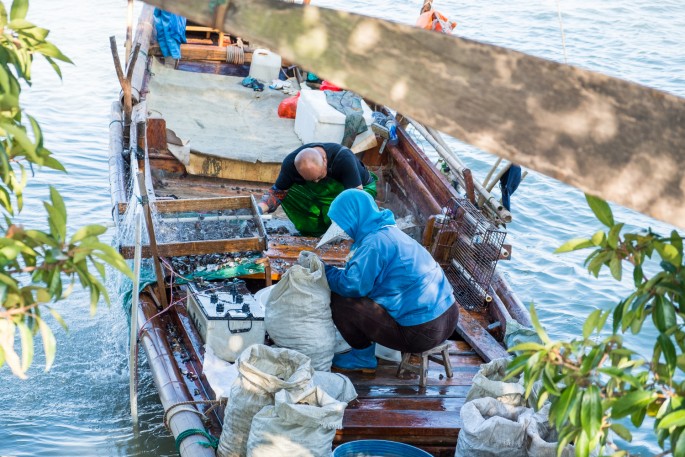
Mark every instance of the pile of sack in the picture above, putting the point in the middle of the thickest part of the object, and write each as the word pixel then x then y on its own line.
pixel 280 406
pixel 497 421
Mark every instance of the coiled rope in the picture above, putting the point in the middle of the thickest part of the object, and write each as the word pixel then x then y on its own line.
pixel 235 53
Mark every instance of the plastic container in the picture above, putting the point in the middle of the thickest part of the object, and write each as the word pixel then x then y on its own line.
pixel 378 448
pixel 265 65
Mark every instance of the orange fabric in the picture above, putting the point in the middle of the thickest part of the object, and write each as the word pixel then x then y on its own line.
pixel 288 107
pixel 435 20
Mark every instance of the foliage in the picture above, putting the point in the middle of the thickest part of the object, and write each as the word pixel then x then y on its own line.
pixel 35 265
pixel 595 381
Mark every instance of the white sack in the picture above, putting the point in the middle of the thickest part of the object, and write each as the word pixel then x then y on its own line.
pixel 543 438
pixel 488 383
pixel 298 425
pixel 336 385
pixel 298 312
pixel 491 428
pixel 262 371
pixel 220 373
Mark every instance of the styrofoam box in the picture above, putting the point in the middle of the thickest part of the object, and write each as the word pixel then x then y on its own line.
pixel 318 122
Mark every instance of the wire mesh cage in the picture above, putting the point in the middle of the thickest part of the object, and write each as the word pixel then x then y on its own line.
pixel 468 246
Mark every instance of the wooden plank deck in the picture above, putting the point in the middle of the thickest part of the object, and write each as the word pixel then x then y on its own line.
pixel 397 409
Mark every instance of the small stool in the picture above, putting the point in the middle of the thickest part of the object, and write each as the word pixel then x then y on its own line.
pixel 439 354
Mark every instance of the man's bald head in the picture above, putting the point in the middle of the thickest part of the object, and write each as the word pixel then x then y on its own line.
pixel 311 164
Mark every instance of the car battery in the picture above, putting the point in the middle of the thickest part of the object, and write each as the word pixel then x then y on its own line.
pixel 227 316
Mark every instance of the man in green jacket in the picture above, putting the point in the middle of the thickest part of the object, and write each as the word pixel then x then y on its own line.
pixel 310 178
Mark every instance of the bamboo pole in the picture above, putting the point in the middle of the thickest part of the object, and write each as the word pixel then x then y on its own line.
pixel 458 166
pixel 498 176
pixel 153 241
pixel 133 338
pixel 142 38
pixel 492 170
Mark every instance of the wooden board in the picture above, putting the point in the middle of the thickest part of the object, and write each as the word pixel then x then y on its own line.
pixel 474 333
pixel 609 137
pixel 217 167
pixel 198 247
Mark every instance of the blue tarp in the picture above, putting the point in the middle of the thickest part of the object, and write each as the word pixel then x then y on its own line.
pixel 171 32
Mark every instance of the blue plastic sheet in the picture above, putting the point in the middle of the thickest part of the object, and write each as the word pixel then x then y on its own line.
pixel 171 32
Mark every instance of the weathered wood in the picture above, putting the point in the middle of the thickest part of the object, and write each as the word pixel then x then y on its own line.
pixel 142 39
pixel 198 247
pixel 481 341
pixel 216 167
pixel 288 248
pixel 154 253
pixel 203 204
pixel 510 300
pixel 156 135
pixel 412 184
pixel 608 137
pixel 192 51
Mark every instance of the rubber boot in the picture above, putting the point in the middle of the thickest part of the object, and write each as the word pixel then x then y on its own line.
pixel 363 360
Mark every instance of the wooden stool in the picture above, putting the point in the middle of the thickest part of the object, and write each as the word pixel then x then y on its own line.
pixel 439 354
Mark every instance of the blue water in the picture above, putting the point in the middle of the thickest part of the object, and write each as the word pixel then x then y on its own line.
pixel 81 406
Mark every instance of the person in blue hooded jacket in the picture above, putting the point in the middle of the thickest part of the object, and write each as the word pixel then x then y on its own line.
pixel 391 290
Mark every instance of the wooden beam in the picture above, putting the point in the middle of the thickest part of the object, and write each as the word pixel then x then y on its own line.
pixel 203 204
pixel 609 137
pixel 479 338
pixel 199 247
pixel 191 51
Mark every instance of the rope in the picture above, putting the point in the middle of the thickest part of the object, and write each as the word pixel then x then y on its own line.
pixel 235 54
pixel 168 414
pixel 212 441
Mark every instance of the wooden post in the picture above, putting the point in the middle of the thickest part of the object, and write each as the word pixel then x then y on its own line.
pixel 125 86
pixel 133 338
pixel 153 241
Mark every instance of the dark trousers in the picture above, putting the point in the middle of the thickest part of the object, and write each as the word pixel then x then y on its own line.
pixel 362 321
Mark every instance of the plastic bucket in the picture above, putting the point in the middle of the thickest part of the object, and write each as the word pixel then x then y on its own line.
pixel 378 448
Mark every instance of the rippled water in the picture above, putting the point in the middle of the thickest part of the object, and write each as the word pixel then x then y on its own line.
pixel 81 406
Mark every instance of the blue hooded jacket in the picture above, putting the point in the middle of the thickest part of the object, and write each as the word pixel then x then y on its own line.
pixel 387 266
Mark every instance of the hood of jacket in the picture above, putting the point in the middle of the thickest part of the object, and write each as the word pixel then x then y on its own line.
pixel 357 214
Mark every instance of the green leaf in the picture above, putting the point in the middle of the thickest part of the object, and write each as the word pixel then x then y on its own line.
pixel 673 419
pixel 19 9
pixel 582 445
pixel 668 350
pixel 615 266
pixel 26 346
pixel 612 239
pixel 664 314
pixel 601 209
pixel 49 343
pixel 536 324
pixel 88 230
pixel 631 402
pixel 559 409
pixel 621 431
pixel 574 245
pixel 679 446
pixel 59 318
pixel 598 238
pixel 638 417
pixel 591 412
pixel 668 252
pixel 3 23
pixel 638 276
pixel 591 323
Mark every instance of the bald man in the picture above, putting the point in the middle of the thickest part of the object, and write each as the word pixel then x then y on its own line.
pixel 310 178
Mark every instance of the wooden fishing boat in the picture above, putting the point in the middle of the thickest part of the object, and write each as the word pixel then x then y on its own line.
pixel 202 185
